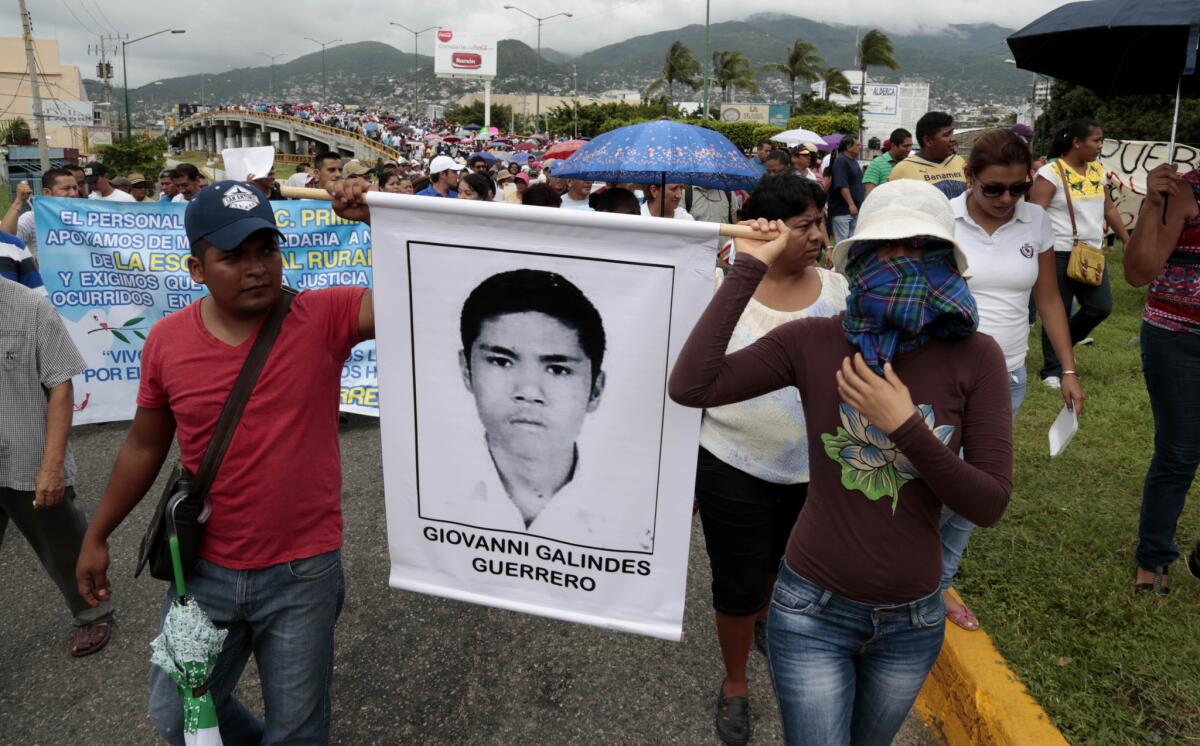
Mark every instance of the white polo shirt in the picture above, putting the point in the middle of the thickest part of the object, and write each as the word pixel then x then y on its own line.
pixel 1004 267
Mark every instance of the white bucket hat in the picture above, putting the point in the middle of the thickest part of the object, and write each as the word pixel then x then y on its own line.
pixel 896 210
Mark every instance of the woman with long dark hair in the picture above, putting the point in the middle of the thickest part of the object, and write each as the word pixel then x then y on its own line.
pixel 1076 169
pixel 891 391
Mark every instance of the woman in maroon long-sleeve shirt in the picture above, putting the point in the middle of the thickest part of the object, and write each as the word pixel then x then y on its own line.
pixel 891 391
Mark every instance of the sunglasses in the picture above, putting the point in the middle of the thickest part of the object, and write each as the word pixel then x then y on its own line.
pixel 995 190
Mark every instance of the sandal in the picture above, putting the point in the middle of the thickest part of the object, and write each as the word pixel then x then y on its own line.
pixel 733 718
pixel 90 638
pixel 964 618
pixel 1157 584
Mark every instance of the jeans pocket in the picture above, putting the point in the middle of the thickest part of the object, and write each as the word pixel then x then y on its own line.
pixel 793 598
pixel 930 612
pixel 316 567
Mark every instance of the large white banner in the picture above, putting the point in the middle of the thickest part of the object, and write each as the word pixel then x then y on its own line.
pixel 460 55
pixel 1127 163
pixel 532 459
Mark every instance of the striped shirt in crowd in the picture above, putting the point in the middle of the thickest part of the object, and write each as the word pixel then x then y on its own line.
pixel 17 264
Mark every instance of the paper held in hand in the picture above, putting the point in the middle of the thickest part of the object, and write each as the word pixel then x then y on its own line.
pixel 1063 429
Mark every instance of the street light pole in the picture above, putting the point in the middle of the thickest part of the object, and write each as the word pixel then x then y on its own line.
pixel 415 33
pixel 125 73
pixel 323 44
pixel 707 57
pixel 538 63
pixel 272 58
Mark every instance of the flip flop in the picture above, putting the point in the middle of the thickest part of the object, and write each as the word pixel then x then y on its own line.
pixel 964 618
pixel 90 638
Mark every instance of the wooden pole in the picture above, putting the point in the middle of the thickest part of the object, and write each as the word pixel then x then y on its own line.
pixel 727 230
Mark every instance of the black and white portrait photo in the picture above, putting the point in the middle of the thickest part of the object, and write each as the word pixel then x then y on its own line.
pixel 539 393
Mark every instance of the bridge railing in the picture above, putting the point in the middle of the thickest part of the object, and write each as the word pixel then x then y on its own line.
pixel 206 117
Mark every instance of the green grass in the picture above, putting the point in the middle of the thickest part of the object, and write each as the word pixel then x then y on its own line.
pixel 1052 584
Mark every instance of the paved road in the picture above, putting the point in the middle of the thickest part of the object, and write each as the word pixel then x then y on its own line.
pixel 410 668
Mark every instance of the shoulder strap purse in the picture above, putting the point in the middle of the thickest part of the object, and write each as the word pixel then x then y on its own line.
pixel 186 495
pixel 1086 264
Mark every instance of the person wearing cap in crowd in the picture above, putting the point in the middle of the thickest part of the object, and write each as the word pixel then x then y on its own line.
pixel 443 178
pixel 896 149
pixel 276 522
pixel 521 182
pixel 187 181
pixel 892 389
pixel 166 185
pixel 124 184
pixel 99 185
pixel 356 169
pixel 57 182
pixel 506 191
pixel 139 188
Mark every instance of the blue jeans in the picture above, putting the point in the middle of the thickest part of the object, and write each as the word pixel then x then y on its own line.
pixel 843 227
pixel 956 530
pixel 285 616
pixel 1171 366
pixel 846 672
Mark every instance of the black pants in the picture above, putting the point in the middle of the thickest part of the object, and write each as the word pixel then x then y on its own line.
pixel 1095 304
pixel 746 523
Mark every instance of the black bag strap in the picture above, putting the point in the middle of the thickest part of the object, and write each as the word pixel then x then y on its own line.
pixel 239 395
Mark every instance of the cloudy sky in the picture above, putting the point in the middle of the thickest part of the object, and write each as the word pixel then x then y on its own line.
pixel 225 34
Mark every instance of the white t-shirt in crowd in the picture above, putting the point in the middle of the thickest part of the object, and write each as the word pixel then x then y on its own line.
pixel 680 213
pixel 1003 269
pixel 1087 198
pixel 27 232
pixel 116 195
pixel 574 204
pixel 298 180
pixel 179 198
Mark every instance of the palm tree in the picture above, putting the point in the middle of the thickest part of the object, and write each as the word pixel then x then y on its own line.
pixel 679 67
pixel 803 63
pixel 732 72
pixel 835 81
pixel 875 49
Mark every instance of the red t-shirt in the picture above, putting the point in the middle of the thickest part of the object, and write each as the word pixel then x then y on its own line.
pixel 277 495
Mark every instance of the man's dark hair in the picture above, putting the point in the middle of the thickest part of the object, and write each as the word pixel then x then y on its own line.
pixel 187 171
pixel 301 168
pixel 476 159
pixel 325 155
pixel 541 195
pixel 898 136
pixel 932 123
pixel 74 168
pixel 51 174
pixel 780 156
pixel 763 142
pixel 537 291
pixel 846 143
pixel 614 199
pixel 781 197
pixel 170 173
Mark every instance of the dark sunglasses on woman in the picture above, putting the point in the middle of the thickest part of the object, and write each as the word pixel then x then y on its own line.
pixel 995 190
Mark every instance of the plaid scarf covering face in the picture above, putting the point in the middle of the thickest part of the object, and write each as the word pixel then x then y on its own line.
pixel 895 305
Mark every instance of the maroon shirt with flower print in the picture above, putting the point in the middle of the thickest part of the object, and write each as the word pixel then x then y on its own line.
pixel 870 528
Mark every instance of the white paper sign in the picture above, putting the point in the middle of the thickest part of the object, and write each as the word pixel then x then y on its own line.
pixel 532 459
pixel 1064 428
pixel 241 162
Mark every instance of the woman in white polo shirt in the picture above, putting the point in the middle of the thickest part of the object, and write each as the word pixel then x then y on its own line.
pixel 1009 245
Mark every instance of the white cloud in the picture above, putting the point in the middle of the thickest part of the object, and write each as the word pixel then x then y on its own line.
pixel 226 34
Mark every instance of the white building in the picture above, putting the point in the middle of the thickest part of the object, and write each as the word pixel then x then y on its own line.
pixel 888 105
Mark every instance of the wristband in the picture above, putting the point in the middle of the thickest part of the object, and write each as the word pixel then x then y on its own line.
pixel 1070 373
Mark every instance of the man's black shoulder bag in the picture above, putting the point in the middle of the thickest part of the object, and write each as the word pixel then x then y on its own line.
pixel 186 495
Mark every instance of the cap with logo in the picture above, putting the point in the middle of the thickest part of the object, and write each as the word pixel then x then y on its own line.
pixel 443 163
pixel 94 170
pixel 226 213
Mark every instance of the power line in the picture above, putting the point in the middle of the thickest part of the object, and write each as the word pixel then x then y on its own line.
pixel 103 15
pixel 91 14
pixel 82 25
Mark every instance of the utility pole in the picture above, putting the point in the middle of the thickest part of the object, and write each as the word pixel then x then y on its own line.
pixel 39 122
pixel 416 89
pixel 538 63
pixel 104 70
pixel 575 77
pixel 707 57
pixel 272 58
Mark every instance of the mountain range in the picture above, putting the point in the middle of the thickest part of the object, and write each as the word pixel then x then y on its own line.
pixel 963 64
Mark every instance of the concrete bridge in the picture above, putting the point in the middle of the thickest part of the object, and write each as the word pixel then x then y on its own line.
pixel 213 131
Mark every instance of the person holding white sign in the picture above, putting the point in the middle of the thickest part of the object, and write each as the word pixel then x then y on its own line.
pixel 892 390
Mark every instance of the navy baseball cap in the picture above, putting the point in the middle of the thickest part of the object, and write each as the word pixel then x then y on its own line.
pixel 226 213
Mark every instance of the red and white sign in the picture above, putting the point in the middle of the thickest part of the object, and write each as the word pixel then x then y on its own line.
pixel 464 55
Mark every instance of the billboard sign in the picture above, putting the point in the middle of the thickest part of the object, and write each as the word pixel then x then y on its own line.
pixel 67 113
pixel 882 99
pixel 775 115
pixel 459 55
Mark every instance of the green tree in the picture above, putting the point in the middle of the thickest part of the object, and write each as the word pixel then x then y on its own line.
pixel 803 63
pixel 732 72
pixel 147 155
pixel 874 50
pixel 835 82
pixel 679 67
pixel 1122 117
pixel 473 113
pixel 15 132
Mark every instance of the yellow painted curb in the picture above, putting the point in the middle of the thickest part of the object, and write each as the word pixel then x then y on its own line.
pixel 975 699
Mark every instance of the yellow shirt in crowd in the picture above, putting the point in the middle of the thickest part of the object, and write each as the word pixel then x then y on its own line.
pixel 948 176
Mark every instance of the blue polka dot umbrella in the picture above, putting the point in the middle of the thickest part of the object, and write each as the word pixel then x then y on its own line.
pixel 661 152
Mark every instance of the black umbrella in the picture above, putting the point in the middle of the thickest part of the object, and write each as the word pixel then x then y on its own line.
pixel 1117 47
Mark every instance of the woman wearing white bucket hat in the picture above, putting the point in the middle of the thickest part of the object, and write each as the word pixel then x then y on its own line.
pixel 891 390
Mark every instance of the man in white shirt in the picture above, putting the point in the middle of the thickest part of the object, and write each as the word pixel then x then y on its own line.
pixel 57 182
pixel 99 185
pixel 576 197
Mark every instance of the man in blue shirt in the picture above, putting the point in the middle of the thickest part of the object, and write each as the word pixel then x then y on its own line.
pixel 443 178
pixel 758 161
pixel 846 192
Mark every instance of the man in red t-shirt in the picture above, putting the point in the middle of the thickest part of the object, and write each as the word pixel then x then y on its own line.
pixel 269 565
